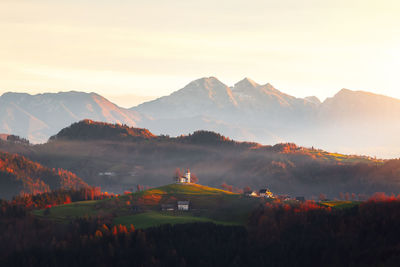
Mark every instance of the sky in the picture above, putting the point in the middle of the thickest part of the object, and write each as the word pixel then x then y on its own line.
pixel 132 51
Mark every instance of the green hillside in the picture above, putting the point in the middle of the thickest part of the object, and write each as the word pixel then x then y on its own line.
pixel 340 204
pixel 143 209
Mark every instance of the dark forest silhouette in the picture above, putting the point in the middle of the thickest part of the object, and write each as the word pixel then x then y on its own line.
pixel 277 234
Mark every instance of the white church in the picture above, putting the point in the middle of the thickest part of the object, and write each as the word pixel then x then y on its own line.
pixel 184 179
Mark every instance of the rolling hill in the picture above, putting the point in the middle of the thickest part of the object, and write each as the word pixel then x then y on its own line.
pixel 207 204
pixel 119 162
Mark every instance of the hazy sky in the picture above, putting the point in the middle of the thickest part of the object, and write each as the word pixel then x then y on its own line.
pixel 128 48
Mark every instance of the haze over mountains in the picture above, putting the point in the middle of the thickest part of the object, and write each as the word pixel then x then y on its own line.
pixel 37 117
pixel 352 122
pixel 118 158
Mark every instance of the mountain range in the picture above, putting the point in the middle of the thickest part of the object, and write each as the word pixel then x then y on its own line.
pixel 353 122
pixel 37 117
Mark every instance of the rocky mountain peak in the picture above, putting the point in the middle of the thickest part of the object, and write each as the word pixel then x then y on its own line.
pixel 246 83
pixel 313 99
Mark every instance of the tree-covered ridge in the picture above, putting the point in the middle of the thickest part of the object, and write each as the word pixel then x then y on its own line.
pixel 106 156
pixel 205 137
pixel 93 130
pixel 89 130
pixel 18 175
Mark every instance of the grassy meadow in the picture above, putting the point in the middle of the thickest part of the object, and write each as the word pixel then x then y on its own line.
pixel 207 204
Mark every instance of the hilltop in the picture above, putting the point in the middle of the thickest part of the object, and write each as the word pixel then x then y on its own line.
pixel 143 209
pixel 19 175
pixel 157 206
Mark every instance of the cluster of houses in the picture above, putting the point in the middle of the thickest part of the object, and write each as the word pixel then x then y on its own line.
pixel 183 205
pixel 266 193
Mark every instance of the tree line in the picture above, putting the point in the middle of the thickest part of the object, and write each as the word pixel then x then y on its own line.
pixel 277 234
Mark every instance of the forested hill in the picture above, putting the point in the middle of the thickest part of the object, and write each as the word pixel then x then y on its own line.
pixel 118 158
pixel 89 130
pixel 20 175
pixel 93 130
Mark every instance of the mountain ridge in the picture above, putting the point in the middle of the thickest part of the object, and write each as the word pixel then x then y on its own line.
pixel 119 164
pixel 41 115
pixel 352 121
pixel 266 115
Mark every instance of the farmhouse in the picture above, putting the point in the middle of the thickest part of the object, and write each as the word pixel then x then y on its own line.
pixel 183 205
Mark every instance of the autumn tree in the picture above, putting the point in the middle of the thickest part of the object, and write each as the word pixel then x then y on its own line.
pixel 177 174
pixel 227 187
pixel 139 188
pixel 193 178
pixel 322 197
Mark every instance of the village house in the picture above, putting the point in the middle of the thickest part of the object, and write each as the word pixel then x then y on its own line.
pixel 250 194
pixel 183 205
pixel 266 193
pixel 283 197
